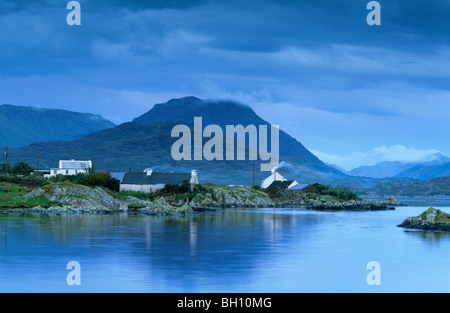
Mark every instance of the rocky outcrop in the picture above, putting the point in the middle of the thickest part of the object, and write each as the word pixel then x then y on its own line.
pixel 233 197
pixel 71 198
pixel 432 219
pixel 161 207
pixel 79 197
pixel 352 205
pixel 391 201
pixel 244 197
pixel 224 197
pixel 329 203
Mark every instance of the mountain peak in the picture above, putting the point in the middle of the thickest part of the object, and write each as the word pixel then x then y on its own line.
pixel 221 112
pixel 229 112
pixel 192 101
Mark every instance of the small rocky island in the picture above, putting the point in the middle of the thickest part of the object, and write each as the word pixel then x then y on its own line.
pixel 432 219
pixel 67 197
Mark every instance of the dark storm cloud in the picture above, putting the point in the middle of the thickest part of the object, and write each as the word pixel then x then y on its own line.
pixel 316 57
pixel 146 4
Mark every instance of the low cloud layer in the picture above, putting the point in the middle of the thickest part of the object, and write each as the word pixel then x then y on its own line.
pixel 380 154
pixel 313 67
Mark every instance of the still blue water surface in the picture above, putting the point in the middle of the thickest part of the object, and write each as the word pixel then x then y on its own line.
pixel 234 250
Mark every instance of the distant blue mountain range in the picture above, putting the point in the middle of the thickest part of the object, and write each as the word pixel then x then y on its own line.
pixel 437 166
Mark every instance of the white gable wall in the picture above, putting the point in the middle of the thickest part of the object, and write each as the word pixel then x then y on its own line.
pixel 273 177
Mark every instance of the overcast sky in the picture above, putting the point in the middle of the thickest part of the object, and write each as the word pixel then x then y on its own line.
pixel 344 89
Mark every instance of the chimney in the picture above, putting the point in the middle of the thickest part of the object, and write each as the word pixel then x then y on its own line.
pixel 194 178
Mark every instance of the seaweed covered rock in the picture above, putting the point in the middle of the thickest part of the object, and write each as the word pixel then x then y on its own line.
pixel 431 219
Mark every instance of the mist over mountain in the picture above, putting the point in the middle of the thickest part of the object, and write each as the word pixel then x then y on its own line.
pixel 424 172
pixel 380 170
pixel 21 126
pixel 222 113
pixel 434 166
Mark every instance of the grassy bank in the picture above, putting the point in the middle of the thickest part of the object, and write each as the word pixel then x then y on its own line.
pixel 12 196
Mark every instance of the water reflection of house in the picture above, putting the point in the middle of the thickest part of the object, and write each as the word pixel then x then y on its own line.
pixel 150 181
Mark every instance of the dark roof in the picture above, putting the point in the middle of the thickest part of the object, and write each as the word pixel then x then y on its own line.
pixel 142 178
pixel 306 188
pixel 282 184
pixel 300 186
pixel 311 189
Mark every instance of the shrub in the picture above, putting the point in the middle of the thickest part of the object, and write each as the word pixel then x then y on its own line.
pixel 340 192
pixel 59 178
pixel 137 194
pixel 18 169
pixel 22 169
pixel 274 192
pixel 99 179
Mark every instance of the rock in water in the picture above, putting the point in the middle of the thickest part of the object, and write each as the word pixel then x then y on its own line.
pixel 432 219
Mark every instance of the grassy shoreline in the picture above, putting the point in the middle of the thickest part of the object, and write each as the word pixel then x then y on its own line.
pixel 23 193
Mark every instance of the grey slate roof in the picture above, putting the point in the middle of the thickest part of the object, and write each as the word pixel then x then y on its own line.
pixel 76 165
pixel 142 178
pixel 300 186
pixel 281 184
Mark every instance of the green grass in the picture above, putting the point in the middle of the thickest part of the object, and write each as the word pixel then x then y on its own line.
pixel 136 206
pixel 13 196
pixel 137 194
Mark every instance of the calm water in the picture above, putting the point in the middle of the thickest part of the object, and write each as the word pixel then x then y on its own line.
pixel 263 250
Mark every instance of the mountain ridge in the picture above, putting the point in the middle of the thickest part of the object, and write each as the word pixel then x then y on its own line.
pixel 228 112
pixel 24 125
pixel 146 143
pixel 398 169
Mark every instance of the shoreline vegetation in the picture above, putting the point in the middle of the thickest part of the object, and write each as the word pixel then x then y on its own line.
pixel 99 193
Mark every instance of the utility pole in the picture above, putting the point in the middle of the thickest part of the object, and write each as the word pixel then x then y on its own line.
pixel 253 175
pixel 38 161
pixel 93 164
pixel 6 157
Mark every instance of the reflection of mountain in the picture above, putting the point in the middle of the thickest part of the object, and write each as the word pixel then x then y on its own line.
pixel 179 252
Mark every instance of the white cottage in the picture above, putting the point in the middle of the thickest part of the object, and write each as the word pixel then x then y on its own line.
pixel 150 181
pixel 278 180
pixel 70 167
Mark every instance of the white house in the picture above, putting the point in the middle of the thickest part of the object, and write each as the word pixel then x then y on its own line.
pixel 150 181
pixel 276 179
pixel 70 167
